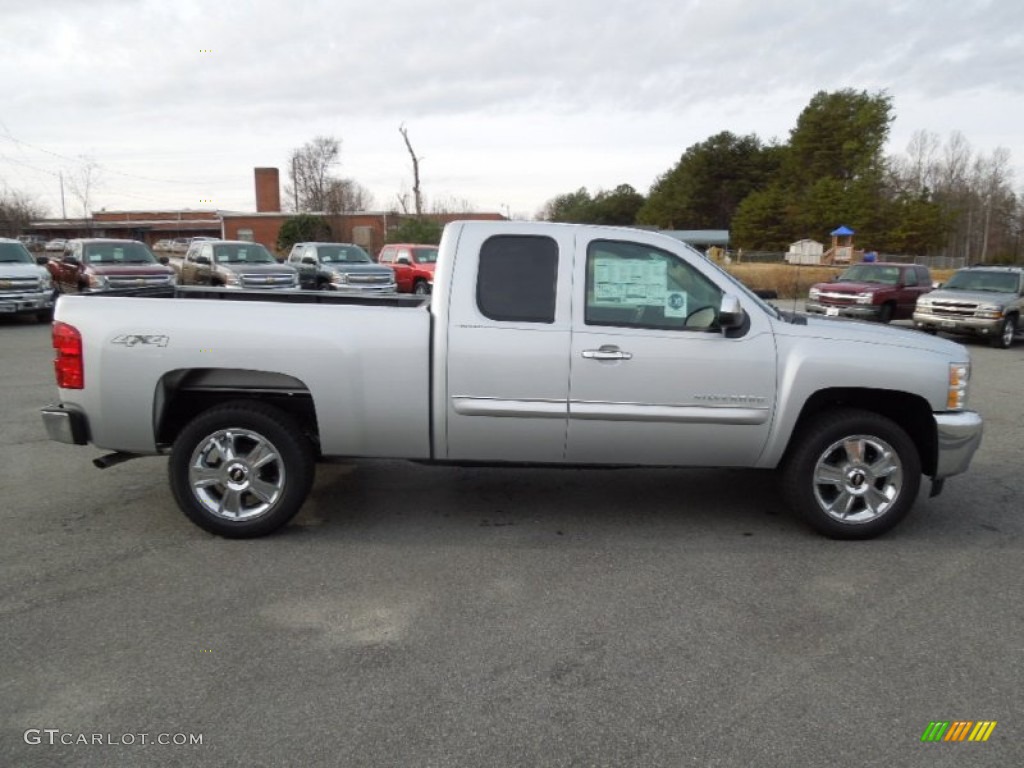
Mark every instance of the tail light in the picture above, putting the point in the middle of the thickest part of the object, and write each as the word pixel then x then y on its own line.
pixel 68 365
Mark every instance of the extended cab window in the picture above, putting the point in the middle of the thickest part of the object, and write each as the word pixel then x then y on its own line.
pixel 910 277
pixel 517 278
pixel 639 286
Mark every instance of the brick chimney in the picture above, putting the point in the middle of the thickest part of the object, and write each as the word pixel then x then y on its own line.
pixel 268 190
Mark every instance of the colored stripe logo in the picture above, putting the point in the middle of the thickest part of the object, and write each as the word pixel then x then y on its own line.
pixel 959 730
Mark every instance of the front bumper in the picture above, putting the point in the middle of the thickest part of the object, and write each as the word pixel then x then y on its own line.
pixel 363 288
pixel 65 425
pixel 959 435
pixel 856 311
pixel 971 325
pixel 19 303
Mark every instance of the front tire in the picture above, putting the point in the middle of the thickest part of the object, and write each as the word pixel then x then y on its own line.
pixel 241 470
pixel 885 314
pixel 1004 340
pixel 422 288
pixel 852 474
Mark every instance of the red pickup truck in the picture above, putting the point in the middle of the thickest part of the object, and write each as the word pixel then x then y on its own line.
pixel 871 291
pixel 89 265
pixel 413 265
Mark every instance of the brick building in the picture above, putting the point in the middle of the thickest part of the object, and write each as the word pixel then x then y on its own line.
pixel 366 228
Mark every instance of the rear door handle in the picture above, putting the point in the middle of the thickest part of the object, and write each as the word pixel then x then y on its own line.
pixel 607 352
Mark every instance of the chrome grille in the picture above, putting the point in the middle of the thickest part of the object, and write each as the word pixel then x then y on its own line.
pixel 140 281
pixel 837 298
pixel 283 280
pixel 370 279
pixel 953 308
pixel 19 284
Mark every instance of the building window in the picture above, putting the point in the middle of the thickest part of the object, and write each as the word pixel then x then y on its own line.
pixel 246 234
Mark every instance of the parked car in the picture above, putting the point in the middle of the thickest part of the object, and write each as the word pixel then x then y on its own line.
pixel 57 244
pixel 879 291
pixel 979 301
pixel 25 284
pixel 91 265
pixel 546 344
pixel 339 267
pixel 163 245
pixel 180 244
pixel 413 264
pixel 235 264
pixel 32 242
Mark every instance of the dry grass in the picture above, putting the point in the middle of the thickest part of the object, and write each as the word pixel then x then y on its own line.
pixel 792 281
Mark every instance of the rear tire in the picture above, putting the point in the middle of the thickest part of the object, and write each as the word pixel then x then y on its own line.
pixel 852 474
pixel 241 470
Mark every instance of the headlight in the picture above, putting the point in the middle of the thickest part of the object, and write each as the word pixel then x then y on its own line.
pixel 172 279
pixel 813 294
pixel 989 311
pixel 232 279
pixel 45 281
pixel 98 282
pixel 959 379
pixel 339 278
pixel 865 298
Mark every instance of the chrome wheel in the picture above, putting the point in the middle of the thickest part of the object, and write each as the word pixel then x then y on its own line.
pixel 857 479
pixel 236 474
pixel 1007 332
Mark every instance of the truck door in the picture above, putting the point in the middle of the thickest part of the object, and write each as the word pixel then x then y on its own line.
pixel 507 349
pixel 653 379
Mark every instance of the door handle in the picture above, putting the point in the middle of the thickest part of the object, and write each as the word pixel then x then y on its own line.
pixel 607 352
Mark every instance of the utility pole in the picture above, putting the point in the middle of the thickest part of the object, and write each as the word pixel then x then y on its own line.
pixel 63 210
pixel 295 182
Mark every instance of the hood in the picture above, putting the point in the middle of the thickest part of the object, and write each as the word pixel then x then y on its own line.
pixel 848 287
pixel 345 268
pixel 979 297
pixel 854 331
pixel 9 270
pixel 257 269
pixel 140 270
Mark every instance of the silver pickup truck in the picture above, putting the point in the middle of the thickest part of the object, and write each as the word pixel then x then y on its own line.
pixel 542 344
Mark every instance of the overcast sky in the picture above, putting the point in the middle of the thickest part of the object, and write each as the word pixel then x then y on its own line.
pixel 508 104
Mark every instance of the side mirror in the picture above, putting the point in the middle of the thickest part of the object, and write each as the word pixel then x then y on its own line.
pixel 68 260
pixel 308 260
pixel 730 313
pixel 164 260
pixel 404 260
pixel 42 261
pixel 205 260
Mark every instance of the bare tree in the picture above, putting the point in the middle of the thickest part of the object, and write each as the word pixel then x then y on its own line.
pixel 451 204
pixel 310 173
pixel 17 210
pixel 83 182
pixel 347 196
pixel 416 195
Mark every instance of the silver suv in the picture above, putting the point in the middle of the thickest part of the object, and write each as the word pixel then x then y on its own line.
pixel 980 301
pixel 25 284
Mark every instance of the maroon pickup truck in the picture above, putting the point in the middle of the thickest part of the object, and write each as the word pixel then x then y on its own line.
pixel 89 265
pixel 871 291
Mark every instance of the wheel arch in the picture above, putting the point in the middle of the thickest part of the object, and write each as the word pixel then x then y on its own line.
pixel 185 393
pixel 911 412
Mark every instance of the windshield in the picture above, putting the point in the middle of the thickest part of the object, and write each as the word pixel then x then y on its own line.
pixel 425 255
pixel 337 254
pixel 253 253
pixel 118 253
pixel 15 253
pixel 982 280
pixel 870 273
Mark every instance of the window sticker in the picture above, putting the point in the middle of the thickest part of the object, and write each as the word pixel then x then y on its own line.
pixel 675 304
pixel 629 282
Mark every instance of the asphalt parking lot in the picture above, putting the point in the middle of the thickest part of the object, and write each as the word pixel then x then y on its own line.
pixel 419 616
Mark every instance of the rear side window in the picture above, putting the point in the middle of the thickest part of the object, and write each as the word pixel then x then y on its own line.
pixel 517 279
